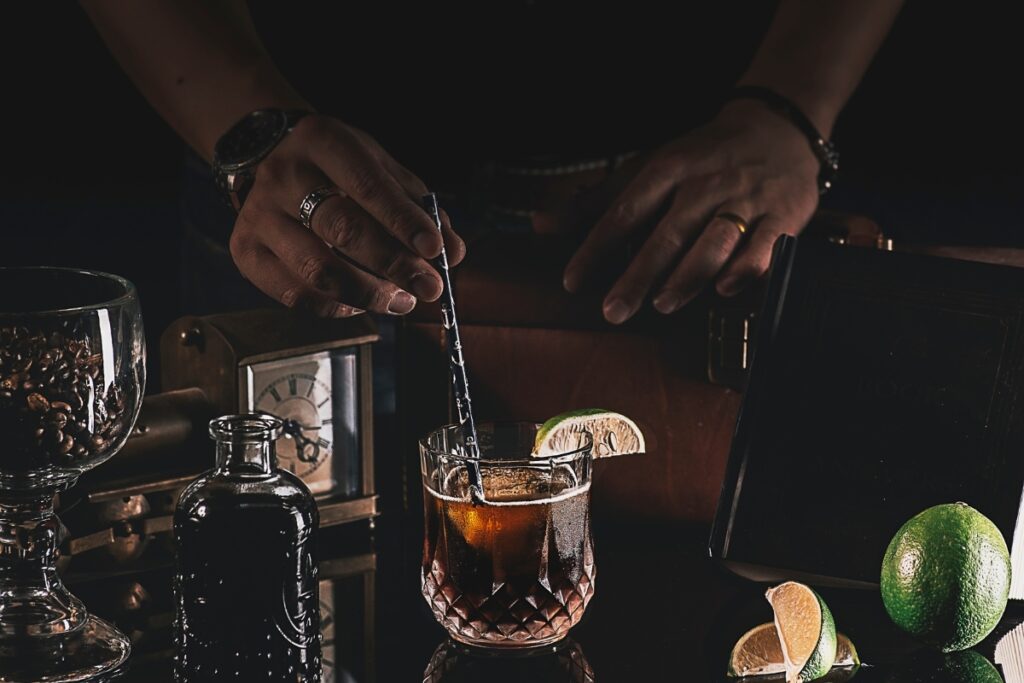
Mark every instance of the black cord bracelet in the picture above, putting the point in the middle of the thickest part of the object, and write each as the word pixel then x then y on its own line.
pixel 823 149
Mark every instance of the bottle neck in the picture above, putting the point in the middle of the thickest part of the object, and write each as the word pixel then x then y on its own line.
pixel 246 458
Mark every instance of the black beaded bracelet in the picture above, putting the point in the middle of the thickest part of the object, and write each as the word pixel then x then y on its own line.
pixel 823 149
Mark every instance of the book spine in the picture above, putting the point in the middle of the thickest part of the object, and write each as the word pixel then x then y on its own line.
pixel 783 257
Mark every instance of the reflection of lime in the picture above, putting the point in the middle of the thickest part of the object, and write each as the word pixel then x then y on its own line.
pixel 959 667
pixel 806 631
pixel 946 576
pixel 759 653
pixel 613 434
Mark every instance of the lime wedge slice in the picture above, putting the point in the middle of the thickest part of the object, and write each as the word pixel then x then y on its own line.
pixel 758 652
pixel 806 630
pixel 613 434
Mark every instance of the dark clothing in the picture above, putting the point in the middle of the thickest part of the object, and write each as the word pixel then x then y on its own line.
pixel 446 88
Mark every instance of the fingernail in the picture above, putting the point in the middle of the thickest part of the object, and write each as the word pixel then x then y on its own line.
pixel 729 287
pixel 569 281
pixel 667 302
pixel 343 311
pixel 616 311
pixel 424 287
pixel 426 244
pixel 401 303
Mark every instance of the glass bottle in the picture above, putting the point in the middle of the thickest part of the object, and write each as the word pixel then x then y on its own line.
pixel 246 589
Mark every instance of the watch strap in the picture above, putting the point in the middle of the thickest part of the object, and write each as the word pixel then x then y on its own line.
pixel 823 149
pixel 236 182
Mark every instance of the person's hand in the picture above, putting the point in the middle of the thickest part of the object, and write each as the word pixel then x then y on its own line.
pixel 368 245
pixel 749 162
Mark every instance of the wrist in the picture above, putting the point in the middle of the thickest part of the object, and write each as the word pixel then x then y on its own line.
pixel 789 111
pixel 819 105
pixel 258 87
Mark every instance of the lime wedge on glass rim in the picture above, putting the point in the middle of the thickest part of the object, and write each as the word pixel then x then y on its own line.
pixel 612 433
pixel 806 630
pixel 758 652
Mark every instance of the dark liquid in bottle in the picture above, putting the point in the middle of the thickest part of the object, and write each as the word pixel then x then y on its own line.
pixel 247 590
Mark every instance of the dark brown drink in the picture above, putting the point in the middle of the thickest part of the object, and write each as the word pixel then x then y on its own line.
pixel 516 571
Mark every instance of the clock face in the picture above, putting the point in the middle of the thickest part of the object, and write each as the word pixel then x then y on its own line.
pixel 317 397
pixel 303 401
pixel 304 392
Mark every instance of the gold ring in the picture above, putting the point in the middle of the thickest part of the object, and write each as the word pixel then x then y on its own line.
pixel 739 222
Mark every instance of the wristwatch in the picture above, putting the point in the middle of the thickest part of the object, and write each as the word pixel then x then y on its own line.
pixel 237 152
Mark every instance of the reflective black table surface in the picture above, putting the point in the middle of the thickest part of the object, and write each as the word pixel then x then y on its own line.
pixel 662 611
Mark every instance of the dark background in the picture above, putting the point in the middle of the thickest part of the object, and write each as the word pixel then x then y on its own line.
pixel 931 143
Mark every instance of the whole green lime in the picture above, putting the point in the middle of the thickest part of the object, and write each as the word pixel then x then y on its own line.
pixel 946 576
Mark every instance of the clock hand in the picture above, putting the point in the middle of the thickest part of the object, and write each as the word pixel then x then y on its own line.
pixel 294 430
pixel 302 451
pixel 296 425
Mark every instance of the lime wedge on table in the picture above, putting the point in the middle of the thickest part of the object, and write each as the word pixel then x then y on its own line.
pixel 807 632
pixel 758 652
pixel 613 434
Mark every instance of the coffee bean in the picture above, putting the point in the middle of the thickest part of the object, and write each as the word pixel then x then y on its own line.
pixel 55 437
pixel 62 406
pixel 37 403
pixel 48 394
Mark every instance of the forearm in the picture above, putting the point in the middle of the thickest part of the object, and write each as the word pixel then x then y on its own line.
pixel 816 52
pixel 200 63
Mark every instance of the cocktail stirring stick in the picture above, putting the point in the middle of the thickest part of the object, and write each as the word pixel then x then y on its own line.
pixel 456 362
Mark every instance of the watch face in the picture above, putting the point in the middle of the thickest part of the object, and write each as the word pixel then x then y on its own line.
pixel 250 139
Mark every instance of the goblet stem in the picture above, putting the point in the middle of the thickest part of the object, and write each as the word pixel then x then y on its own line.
pixel 33 599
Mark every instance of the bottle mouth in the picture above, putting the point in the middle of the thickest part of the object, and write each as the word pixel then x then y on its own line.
pixel 251 428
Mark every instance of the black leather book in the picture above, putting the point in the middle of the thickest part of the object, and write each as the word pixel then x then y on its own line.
pixel 882 383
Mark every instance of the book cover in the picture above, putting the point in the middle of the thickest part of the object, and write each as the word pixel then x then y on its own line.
pixel 882 383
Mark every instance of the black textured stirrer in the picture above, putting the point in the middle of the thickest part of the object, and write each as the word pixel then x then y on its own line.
pixel 456 362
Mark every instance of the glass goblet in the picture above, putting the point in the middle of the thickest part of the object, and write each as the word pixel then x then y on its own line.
pixel 72 376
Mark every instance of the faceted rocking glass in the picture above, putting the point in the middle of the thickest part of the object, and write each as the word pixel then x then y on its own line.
pixel 72 376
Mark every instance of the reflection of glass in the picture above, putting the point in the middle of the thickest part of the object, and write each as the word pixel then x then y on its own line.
pixel 563 663
pixel 517 571
pixel 72 375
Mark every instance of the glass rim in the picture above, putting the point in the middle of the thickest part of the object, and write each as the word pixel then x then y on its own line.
pixel 554 459
pixel 125 298
pixel 245 428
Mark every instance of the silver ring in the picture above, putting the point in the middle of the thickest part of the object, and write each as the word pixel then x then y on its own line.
pixel 312 200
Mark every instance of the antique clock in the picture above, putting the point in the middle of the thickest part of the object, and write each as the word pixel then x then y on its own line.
pixel 314 374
